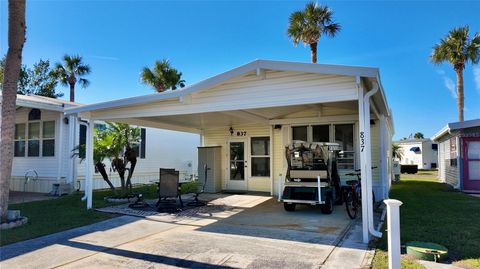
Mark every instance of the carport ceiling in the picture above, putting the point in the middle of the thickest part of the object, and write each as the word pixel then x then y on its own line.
pixel 250 116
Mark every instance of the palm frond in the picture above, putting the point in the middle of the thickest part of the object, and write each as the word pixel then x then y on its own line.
pixel 457 48
pixel 308 25
pixel 83 82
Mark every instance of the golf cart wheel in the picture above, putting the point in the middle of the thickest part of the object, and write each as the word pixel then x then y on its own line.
pixel 289 207
pixel 327 208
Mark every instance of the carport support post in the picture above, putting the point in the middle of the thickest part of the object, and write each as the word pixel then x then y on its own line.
pixel 393 222
pixel 89 164
pixel 363 157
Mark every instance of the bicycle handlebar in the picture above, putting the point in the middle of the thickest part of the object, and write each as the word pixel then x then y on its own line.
pixel 358 170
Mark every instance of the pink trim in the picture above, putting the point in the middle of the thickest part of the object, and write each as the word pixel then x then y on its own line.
pixel 467 183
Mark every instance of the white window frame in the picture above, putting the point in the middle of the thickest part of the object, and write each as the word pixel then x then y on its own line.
pixel 25 140
pixel 40 139
pixel 250 156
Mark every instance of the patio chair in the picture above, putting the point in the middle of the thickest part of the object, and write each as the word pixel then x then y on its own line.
pixel 168 189
pixel 195 201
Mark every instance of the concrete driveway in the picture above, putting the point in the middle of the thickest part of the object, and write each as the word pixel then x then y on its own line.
pixel 235 231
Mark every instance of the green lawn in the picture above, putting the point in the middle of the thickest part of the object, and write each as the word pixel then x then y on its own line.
pixel 66 212
pixel 432 212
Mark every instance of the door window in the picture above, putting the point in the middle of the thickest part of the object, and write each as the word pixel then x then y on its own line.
pixel 237 166
pixel 474 160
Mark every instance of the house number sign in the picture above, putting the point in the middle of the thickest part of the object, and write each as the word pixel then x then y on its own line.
pixel 362 141
pixel 241 133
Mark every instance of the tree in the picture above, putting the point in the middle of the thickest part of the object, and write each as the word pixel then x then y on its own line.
pixel 309 25
pixel 101 150
pixel 42 80
pixel 72 72
pixel 115 142
pixel 162 77
pixel 458 49
pixel 122 152
pixel 418 135
pixel 397 152
pixel 23 77
pixel 13 63
pixel 39 81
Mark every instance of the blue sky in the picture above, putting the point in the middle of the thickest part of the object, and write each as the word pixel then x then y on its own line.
pixel 203 38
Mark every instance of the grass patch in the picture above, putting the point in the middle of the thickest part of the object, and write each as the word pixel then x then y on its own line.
pixel 63 213
pixel 433 212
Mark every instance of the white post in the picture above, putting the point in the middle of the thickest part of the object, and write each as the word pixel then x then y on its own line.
pixel 71 146
pixel 363 159
pixel 319 189
pixel 89 164
pixel 270 153
pixel 393 221
pixel 59 142
pixel 280 187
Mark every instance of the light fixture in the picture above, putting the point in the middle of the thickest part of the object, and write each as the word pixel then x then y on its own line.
pixel 231 130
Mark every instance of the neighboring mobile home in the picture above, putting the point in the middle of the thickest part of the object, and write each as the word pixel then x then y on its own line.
pixel 459 155
pixel 420 152
pixel 250 113
pixel 45 137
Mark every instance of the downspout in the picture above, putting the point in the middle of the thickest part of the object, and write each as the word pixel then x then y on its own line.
pixel 368 154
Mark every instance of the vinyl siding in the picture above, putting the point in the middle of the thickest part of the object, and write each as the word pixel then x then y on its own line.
pixel 281 137
pixel 248 92
pixel 46 167
pixel 448 173
pixel 220 136
pixel 164 149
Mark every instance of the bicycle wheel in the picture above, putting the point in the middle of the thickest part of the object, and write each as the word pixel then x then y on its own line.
pixel 351 205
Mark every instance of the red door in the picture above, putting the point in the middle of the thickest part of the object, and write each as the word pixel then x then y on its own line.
pixel 471 163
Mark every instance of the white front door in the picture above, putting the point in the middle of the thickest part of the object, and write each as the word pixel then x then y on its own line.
pixel 237 165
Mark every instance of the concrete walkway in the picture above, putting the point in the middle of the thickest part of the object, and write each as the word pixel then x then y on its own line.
pixel 249 232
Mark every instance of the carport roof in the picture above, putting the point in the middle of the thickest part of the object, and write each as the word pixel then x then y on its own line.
pixel 257 65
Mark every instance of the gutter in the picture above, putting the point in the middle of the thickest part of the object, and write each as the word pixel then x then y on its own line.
pixel 368 172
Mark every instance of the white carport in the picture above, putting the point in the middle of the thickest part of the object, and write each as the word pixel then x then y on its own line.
pixel 269 94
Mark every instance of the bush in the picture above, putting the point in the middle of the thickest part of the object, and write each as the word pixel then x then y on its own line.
pixel 189 187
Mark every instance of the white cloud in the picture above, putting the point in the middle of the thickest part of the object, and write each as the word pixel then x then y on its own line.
pixel 449 83
pixel 476 77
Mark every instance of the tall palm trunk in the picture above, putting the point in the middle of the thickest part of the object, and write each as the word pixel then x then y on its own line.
pixel 16 39
pixel 460 95
pixel 72 92
pixel 313 50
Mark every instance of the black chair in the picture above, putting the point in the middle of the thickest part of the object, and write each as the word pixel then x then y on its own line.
pixel 168 189
pixel 195 201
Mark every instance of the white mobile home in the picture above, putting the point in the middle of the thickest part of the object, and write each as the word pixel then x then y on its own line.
pixel 252 112
pixel 45 137
pixel 420 152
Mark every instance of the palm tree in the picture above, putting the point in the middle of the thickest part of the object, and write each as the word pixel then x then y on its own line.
pixel 397 152
pixel 16 39
pixel 458 48
pixel 162 77
pixel 71 72
pixel 307 26
pixel 418 135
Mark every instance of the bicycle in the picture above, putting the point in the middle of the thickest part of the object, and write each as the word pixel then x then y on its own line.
pixel 353 195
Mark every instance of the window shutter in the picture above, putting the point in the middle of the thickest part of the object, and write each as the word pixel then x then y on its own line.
pixel 143 137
